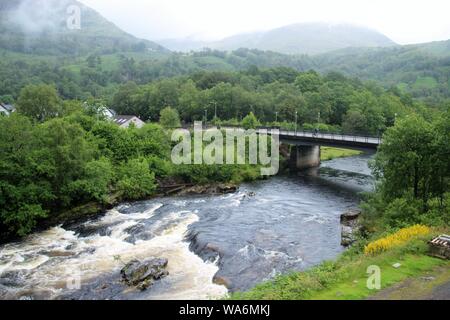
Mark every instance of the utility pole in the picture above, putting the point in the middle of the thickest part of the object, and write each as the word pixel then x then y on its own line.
pixel 296 121
pixel 215 110
pixel 318 122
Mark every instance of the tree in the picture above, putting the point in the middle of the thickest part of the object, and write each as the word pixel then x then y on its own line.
pixel 308 81
pixel 135 179
pixel 123 100
pixel 354 122
pixel 405 161
pixel 22 192
pixel 39 102
pixel 169 118
pixel 250 122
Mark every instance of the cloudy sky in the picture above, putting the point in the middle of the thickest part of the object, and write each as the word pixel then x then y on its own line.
pixel 404 21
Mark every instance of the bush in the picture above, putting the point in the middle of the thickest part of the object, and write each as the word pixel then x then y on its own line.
pixel 95 185
pixel 169 118
pixel 135 179
pixel 250 122
pixel 402 212
pixel 24 220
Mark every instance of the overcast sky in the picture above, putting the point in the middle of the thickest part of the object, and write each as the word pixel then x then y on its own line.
pixel 404 21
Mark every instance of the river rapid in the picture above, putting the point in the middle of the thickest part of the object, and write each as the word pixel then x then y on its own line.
pixel 214 244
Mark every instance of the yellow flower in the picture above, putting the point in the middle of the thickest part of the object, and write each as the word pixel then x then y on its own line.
pixel 400 237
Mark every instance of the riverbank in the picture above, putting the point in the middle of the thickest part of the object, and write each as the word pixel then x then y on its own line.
pixel 170 187
pixel 328 153
pixel 346 278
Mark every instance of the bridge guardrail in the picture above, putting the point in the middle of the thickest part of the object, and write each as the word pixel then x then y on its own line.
pixel 310 134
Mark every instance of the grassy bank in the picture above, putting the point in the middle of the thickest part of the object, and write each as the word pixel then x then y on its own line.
pixel 346 278
pixel 328 153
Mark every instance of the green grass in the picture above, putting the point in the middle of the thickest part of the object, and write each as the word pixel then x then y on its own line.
pixel 354 287
pixel 328 153
pixel 425 83
pixel 346 278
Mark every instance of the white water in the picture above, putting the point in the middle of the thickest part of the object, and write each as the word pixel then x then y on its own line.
pixel 48 263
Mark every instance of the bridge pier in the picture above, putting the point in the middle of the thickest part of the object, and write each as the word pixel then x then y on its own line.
pixel 305 157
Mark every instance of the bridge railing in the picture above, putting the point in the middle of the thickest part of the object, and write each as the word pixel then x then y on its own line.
pixel 324 135
pixel 310 134
pixel 333 136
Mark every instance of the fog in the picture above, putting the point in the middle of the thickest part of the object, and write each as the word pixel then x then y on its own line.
pixel 404 21
pixel 35 16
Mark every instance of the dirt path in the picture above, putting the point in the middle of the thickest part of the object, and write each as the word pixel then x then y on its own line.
pixel 434 285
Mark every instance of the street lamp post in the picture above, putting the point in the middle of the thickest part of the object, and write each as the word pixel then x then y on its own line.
pixel 276 117
pixel 215 110
pixel 296 121
pixel 206 117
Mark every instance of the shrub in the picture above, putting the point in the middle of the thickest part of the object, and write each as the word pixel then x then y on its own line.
pixel 135 179
pixel 400 237
pixel 250 122
pixel 169 118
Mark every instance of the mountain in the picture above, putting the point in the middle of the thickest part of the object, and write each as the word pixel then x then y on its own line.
pixel 303 38
pixel 41 27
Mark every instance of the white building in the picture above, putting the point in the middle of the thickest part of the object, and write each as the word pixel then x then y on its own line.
pixel 109 113
pixel 7 109
pixel 3 111
pixel 127 121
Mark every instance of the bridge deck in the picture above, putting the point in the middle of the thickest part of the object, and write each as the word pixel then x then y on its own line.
pixel 328 139
pixel 324 139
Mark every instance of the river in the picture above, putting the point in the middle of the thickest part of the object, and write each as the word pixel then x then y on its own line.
pixel 286 223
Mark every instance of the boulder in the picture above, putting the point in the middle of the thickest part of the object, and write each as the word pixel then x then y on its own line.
pixel 226 188
pixel 350 227
pixel 350 216
pixel 222 281
pixel 209 189
pixel 348 236
pixel 143 274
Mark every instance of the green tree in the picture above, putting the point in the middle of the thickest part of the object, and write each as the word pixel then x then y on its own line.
pixel 308 81
pixel 39 102
pixel 250 122
pixel 135 179
pixel 413 162
pixel 169 118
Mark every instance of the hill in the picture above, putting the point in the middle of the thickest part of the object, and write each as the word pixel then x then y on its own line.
pixel 40 27
pixel 421 69
pixel 304 38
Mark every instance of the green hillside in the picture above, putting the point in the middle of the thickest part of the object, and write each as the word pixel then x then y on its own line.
pixel 40 27
pixel 307 38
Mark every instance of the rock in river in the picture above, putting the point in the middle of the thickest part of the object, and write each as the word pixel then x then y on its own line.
pixel 350 227
pixel 143 274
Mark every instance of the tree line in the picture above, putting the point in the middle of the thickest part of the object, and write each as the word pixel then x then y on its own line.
pixel 275 96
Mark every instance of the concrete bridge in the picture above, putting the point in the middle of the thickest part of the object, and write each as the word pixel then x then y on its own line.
pixel 305 146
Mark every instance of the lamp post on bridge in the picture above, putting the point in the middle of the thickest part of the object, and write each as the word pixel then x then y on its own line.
pixel 206 117
pixel 296 122
pixel 214 103
pixel 276 117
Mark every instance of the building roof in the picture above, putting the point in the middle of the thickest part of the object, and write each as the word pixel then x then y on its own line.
pixel 8 107
pixel 123 119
